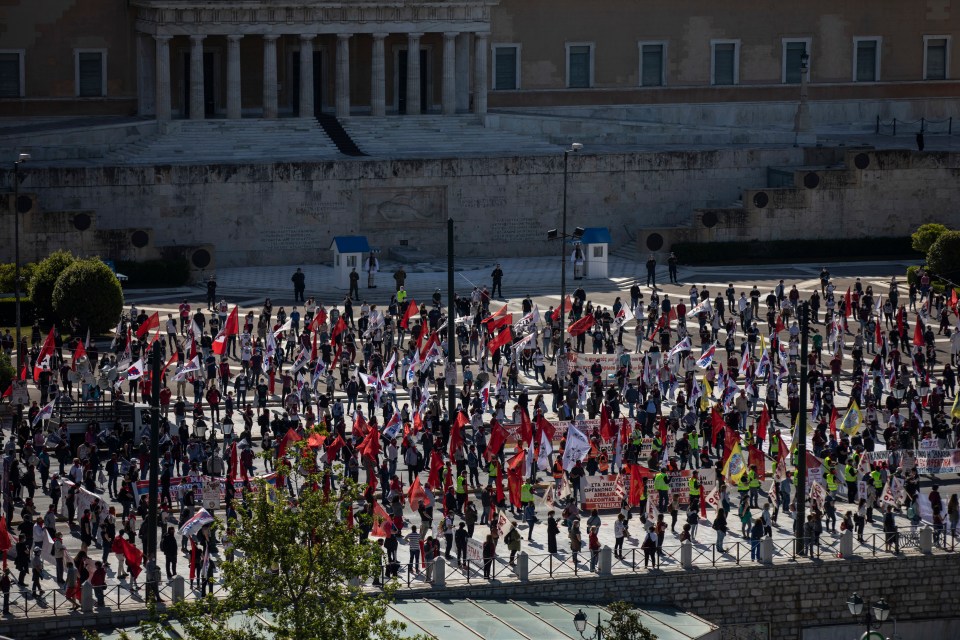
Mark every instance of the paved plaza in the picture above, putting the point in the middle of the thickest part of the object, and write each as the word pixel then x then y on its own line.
pixel 537 277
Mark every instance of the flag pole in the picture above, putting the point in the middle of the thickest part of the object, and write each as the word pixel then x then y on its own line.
pixel 800 436
pixel 451 377
pixel 150 545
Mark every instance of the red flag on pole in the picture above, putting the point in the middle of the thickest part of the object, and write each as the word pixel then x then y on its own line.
pixel 847 303
pixel 436 466
pixel 410 311
pixel 606 426
pixel 338 328
pixel 151 323
pixel 46 351
pixel 416 493
pixel 230 328
pixel 638 475
pixel 762 425
pixel 581 326
pixel 503 338
pixel 381 521
pixel 498 435
pixel 918 333
pixel 833 422
pixel 567 305
pixel 526 427
pixel 502 321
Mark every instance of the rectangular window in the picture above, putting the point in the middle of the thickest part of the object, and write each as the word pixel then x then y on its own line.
pixel 793 51
pixel 726 63
pixel 651 64
pixel 936 54
pixel 579 66
pixel 91 73
pixel 11 74
pixel 598 251
pixel 866 59
pixel 506 67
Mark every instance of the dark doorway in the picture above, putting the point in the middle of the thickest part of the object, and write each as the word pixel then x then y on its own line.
pixel 402 81
pixel 209 85
pixel 317 83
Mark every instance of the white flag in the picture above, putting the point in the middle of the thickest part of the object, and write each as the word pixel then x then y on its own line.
pixel 578 446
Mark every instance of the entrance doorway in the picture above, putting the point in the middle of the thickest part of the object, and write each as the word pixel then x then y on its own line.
pixel 402 80
pixel 317 84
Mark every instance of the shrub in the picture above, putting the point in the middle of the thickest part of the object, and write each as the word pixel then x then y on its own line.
pixel 912 277
pixel 89 291
pixel 7 372
pixel 925 235
pixel 156 273
pixel 943 259
pixel 7 272
pixel 44 280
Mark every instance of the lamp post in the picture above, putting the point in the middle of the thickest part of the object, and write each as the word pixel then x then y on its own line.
pixel 580 622
pixel 800 435
pixel 875 613
pixel 23 157
pixel 553 235
pixel 801 124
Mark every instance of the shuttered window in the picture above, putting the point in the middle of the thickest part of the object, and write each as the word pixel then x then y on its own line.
pixel 505 67
pixel 90 81
pixel 651 65
pixel 725 63
pixel 10 75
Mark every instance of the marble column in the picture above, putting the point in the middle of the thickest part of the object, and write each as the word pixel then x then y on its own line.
pixel 306 76
pixel 378 88
pixel 463 72
pixel 163 77
pixel 480 74
pixel 413 73
pixel 233 77
pixel 270 76
pixel 343 75
pixel 196 77
pixel 449 101
pixel 146 75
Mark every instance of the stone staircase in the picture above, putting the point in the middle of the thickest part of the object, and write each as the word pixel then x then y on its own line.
pixel 399 136
pixel 231 141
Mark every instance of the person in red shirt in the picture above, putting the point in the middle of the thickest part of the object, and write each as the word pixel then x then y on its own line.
pixel 184 316
pixel 98 579
pixel 213 398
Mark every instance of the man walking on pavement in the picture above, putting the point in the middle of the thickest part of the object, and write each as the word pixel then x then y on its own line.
pixel 299 285
pixel 211 292
pixel 652 271
pixel 497 277
pixel 672 265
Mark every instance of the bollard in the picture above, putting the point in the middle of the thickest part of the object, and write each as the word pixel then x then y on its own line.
pixel 606 561
pixel 439 572
pixel 686 554
pixel 523 566
pixel 926 540
pixel 846 544
pixel 86 597
pixel 177 589
pixel 766 550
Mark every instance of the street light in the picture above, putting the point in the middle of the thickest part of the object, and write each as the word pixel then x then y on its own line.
pixel 801 125
pixel 580 622
pixel 875 614
pixel 23 157
pixel 553 235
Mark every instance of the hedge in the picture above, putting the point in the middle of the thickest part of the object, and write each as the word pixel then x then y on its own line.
pixel 155 273
pixel 757 251
pixel 8 311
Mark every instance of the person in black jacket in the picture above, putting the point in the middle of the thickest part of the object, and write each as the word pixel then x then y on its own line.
pixel 168 545
pixel 552 530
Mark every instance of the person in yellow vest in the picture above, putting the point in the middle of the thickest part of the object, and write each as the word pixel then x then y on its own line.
pixel 774 449
pixel 831 479
pixel 850 477
pixel 693 439
pixel 694 484
pixel 492 470
pixel 743 488
pixel 662 487
pixel 526 493
pixel 877 478
pixel 753 480
pixel 749 438
pixel 461 491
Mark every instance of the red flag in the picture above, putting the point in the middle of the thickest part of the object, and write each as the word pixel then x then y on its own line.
pixel 498 435
pixel 638 475
pixel 371 444
pixel 151 323
pixel 758 460
pixel 606 426
pixel 505 337
pixel 456 433
pixel 410 311
pixel 360 426
pixel 716 420
pixel 953 298
pixel 762 425
pixel 526 428
pixel 918 333
pixel 318 319
pixel 663 430
pixel 131 554
pixel 230 328
pixel 660 323
pixel 334 448
pixel 900 320
pixel 234 463
pixel 780 325
pixel 730 440
pixel 581 326
pixel 515 477
pixel 672 315
pixel 434 339
pixel 289 438
pixel 847 304
pixel 79 352
pixel 833 422
pixel 313 348
pixel 567 305
pixel 500 496
pixel 436 466
pixel 8 392
pixel 495 315
pixel 416 493
pixel 381 521
pixel 315 441
pixel 417 422
pixel 46 351
pixel 5 541
pixel 502 321
pixel 546 428
pixel 338 328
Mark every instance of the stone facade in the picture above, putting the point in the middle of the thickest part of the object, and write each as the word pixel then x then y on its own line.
pixel 289 212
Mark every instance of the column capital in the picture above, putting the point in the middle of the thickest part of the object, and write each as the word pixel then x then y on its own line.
pixel 450 35
pixel 270 37
pixel 197 38
pixel 163 39
pixel 482 34
pixel 307 37
pixel 344 36
pixel 380 35
pixel 414 35
pixel 235 37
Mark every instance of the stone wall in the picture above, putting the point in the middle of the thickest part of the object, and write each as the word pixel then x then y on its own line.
pixel 745 600
pixel 287 213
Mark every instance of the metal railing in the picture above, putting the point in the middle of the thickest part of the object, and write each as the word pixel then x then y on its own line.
pixel 926 126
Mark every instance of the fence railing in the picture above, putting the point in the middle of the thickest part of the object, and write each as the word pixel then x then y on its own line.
pixel 923 125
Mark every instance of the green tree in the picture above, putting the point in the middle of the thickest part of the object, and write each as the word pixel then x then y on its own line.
pixel 7 273
pixel 43 281
pixel 89 291
pixel 925 235
pixel 7 372
pixel 943 258
pixel 625 624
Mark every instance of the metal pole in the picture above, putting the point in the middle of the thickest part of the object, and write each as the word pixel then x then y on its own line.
pixel 561 350
pixel 153 503
pixel 451 329
pixel 800 435
pixel 16 259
